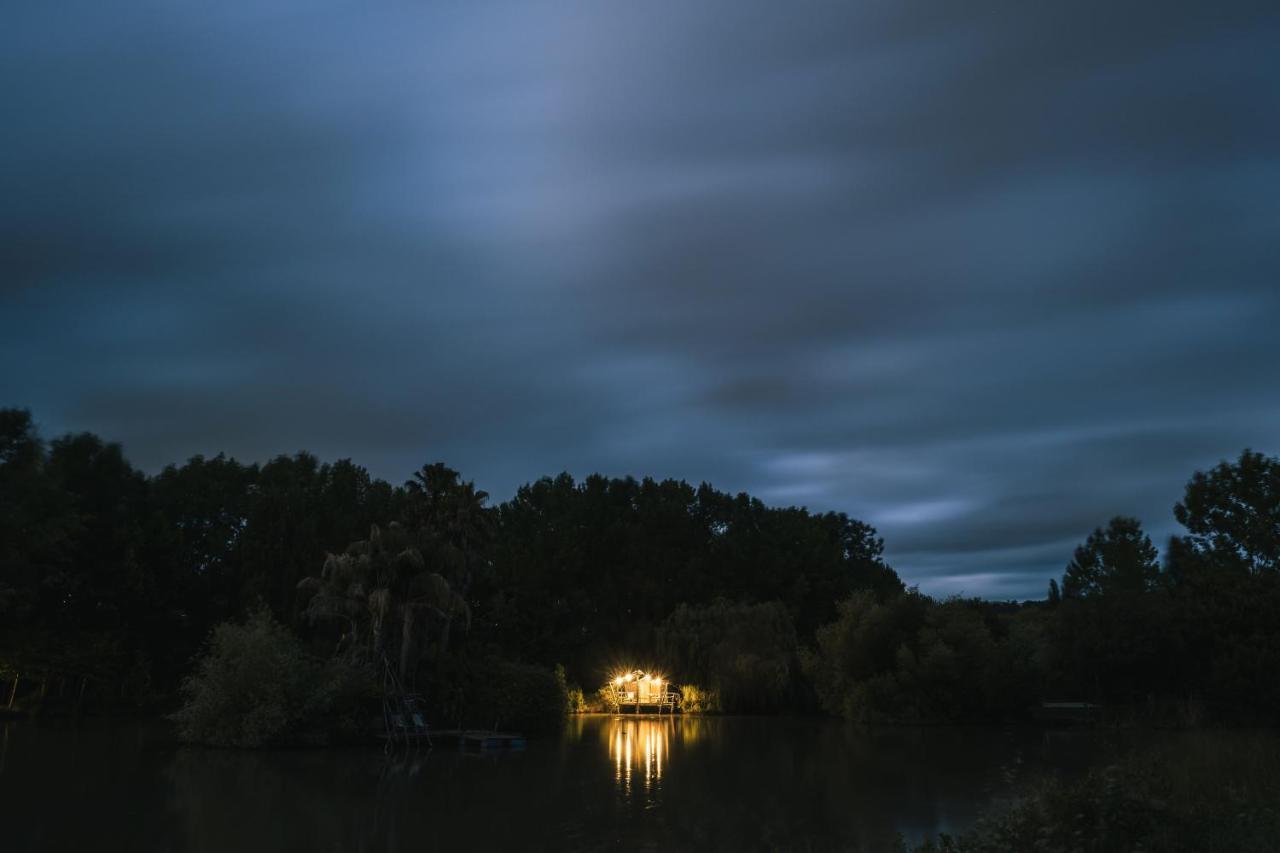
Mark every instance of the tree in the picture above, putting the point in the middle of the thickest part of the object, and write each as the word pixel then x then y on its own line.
pixel 451 520
pixel 104 593
pixel 746 653
pixel 201 510
pixel 1118 559
pixel 912 659
pixel 383 597
pixel 1233 513
pixel 38 525
pixel 853 667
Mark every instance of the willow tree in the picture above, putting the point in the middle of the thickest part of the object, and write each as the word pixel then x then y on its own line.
pixel 385 601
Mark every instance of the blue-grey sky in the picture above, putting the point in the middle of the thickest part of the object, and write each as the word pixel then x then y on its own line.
pixel 982 274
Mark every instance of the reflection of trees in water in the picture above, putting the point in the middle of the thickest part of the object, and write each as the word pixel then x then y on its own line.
pixel 361 800
pixel 295 800
pixel 93 786
pixel 722 783
pixel 305 800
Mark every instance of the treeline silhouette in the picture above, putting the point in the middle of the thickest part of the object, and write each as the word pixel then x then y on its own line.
pixel 116 580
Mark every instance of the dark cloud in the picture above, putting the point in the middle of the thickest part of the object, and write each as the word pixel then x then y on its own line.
pixel 982 276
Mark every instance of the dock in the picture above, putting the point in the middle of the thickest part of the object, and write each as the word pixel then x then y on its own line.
pixel 1068 713
pixel 478 739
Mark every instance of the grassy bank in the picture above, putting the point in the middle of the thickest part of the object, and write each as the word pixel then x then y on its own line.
pixel 1221 796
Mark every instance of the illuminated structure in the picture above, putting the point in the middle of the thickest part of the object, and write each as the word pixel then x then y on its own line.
pixel 642 692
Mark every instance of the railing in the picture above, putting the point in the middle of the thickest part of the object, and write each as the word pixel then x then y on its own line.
pixel 667 699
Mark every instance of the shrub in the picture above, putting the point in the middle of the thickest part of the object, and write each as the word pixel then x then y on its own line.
pixel 495 693
pixel 607 699
pixel 576 701
pixel 698 700
pixel 1221 797
pixel 257 685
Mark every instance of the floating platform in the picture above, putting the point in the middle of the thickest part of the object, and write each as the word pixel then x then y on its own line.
pixel 1068 713
pixel 476 739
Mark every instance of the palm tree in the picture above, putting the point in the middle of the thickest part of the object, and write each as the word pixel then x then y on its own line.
pixel 453 523
pixel 451 516
pixel 382 595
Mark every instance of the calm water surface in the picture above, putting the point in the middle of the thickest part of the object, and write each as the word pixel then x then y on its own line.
pixel 607 783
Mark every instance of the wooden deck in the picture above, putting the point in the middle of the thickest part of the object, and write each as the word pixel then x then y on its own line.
pixel 648 708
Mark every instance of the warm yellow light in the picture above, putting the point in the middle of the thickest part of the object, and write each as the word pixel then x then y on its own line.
pixel 628 677
pixel 617 680
pixel 646 678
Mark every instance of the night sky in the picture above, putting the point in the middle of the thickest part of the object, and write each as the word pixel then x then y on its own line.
pixel 981 274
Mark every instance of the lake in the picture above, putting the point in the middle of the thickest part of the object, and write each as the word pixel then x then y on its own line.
pixel 606 783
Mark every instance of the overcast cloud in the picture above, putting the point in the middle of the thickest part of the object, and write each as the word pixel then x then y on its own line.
pixel 982 274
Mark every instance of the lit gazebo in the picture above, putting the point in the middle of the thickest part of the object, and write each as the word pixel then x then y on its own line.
pixel 639 691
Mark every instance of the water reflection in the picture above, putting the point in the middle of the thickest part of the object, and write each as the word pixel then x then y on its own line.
pixel 705 783
pixel 638 748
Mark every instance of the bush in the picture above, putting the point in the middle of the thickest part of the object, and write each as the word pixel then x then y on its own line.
pixel 495 693
pixel 698 700
pixel 256 685
pixel 1223 797
pixel 607 698
pixel 603 700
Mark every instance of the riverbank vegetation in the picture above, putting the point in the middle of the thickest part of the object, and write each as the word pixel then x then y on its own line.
pixel 152 591
pixel 257 684
pixel 1218 798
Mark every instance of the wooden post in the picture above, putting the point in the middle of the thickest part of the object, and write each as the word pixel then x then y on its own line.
pixel 13 694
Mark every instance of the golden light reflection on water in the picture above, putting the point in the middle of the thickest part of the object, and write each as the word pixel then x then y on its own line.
pixel 640 749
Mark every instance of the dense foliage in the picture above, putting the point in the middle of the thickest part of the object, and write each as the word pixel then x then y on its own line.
pixel 116 579
pixel 258 685
pixel 1189 642
pixel 1223 800
pixel 383 601
pixel 584 574
pixel 911 659
pixel 494 693
pixel 734 657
